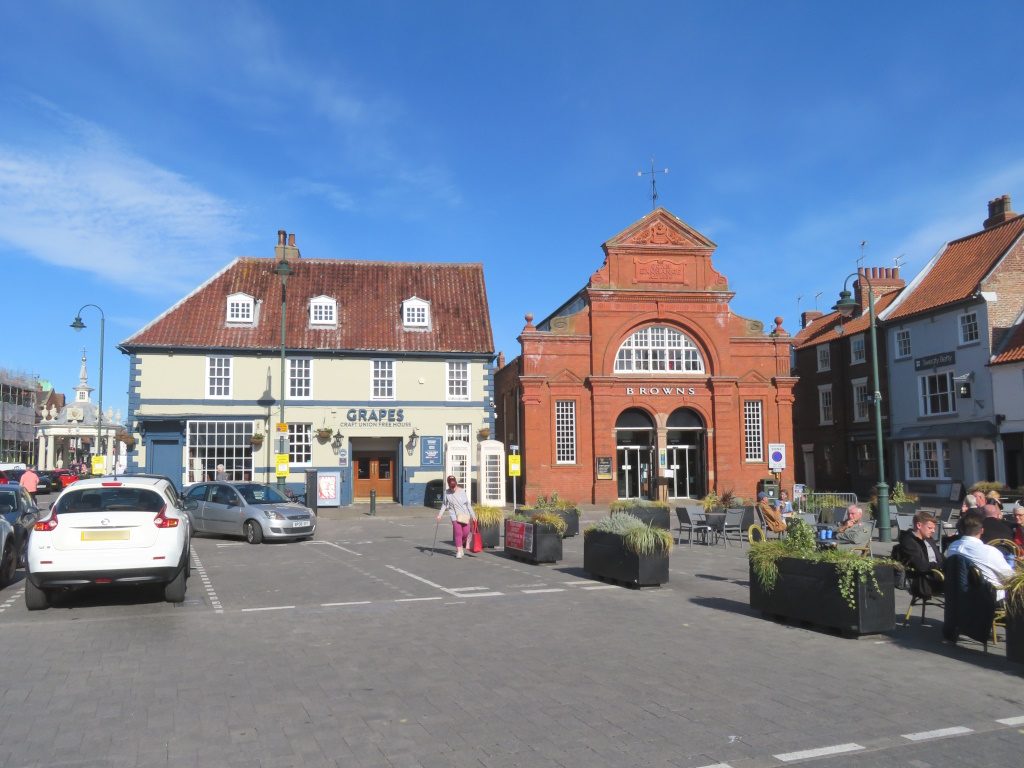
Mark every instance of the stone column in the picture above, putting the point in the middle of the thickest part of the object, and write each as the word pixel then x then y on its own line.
pixel 40 452
pixel 51 458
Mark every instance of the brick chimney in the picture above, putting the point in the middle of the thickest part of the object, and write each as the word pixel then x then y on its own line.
pixel 286 247
pixel 999 211
pixel 808 317
pixel 501 360
pixel 883 280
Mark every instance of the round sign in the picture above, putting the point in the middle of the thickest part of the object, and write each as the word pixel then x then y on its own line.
pixel 776 455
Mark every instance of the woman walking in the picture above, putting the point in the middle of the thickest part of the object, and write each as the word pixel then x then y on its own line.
pixel 460 511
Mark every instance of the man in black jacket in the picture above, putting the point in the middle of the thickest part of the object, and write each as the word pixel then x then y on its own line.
pixel 918 553
pixel 993 527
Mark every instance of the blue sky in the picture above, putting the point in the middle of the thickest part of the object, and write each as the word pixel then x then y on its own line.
pixel 145 145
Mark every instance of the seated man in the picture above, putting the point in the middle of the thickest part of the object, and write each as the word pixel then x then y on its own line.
pixel 772 518
pixel 988 560
pixel 918 553
pixel 852 532
pixel 993 527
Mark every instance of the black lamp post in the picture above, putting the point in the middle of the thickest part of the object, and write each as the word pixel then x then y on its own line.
pixel 846 307
pixel 284 271
pixel 78 325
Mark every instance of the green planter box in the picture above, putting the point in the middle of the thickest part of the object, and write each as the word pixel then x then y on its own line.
pixel 532 543
pixel 604 556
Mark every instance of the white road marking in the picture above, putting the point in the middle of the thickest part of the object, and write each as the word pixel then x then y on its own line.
pixel 338 605
pixel 198 565
pixel 230 544
pixel 336 546
pixel 270 608
pixel 480 594
pixel 1012 721
pixel 416 599
pixel 541 591
pixel 455 592
pixel 806 754
pixel 958 730
pixel 602 586
pixel 469 589
pixel 10 601
pixel 717 765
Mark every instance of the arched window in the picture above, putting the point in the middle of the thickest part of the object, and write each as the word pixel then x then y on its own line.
pixel 658 349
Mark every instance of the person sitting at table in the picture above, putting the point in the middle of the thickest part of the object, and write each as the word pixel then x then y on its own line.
pixel 987 559
pixel 969 503
pixel 784 506
pixel 852 532
pixel 1017 526
pixel 772 518
pixel 918 553
pixel 993 527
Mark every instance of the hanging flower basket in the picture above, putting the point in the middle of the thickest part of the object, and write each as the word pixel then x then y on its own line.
pixel 129 441
pixel 256 440
pixel 324 433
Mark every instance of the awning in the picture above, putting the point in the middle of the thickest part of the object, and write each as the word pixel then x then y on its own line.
pixel 950 430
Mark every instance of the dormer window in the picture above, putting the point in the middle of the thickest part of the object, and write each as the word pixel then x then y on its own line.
pixel 415 313
pixel 323 311
pixel 241 309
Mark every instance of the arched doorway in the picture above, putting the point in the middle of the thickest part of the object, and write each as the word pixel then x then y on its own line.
pixel 686 452
pixel 634 449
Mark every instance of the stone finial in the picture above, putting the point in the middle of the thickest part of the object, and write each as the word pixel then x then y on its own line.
pixel 529 322
pixel 779 330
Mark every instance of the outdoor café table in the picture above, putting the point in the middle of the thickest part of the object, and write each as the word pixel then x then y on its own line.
pixel 716 520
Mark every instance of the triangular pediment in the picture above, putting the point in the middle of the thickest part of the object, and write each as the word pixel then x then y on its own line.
pixel 660 229
pixel 565 376
pixel 753 377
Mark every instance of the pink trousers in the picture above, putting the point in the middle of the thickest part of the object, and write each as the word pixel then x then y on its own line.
pixel 461 531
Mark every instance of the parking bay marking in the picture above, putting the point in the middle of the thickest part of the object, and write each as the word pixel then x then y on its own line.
pixel 937 734
pixel 336 546
pixel 454 592
pixel 11 599
pixel 807 754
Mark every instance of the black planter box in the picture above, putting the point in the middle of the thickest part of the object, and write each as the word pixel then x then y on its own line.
pixel 1015 637
pixel 605 557
pixel 538 544
pixel 490 537
pixel 572 520
pixel 655 516
pixel 806 591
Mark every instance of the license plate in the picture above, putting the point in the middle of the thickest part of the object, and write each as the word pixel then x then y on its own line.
pixel 121 535
pixel 300 524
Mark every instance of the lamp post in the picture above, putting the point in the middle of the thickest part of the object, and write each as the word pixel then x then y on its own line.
pixel 78 325
pixel 845 307
pixel 284 271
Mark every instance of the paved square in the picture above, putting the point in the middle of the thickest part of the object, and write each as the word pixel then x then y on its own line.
pixel 360 648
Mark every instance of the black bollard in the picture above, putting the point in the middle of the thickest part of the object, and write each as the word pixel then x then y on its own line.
pixel 373 503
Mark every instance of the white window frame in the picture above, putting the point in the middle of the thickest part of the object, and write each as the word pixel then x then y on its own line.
pixel 323 312
pixel 824 357
pixel 382 387
pixel 456 378
pixel 860 404
pixel 926 395
pixel 826 408
pixel 970 331
pixel 858 349
pixel 209 443
pixel 240 309
pixel 222 374
pixel 565 431
pixel 753 430
pixel 300 445
pixel 416 313
pixel 302 362
pixel 463 432
pixel 926 459
pixel 660 350
pixel 903 346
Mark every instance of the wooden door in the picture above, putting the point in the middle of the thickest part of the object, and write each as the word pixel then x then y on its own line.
pixel 374 472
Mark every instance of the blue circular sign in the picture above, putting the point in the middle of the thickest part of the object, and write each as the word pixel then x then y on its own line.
pixel 776 455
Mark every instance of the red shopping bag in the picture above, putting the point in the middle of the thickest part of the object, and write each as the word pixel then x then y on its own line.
pixel 477 545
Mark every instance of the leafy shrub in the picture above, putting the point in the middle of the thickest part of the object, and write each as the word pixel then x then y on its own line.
pixel 987 485
pixel 623 504
pixel 554 502
pixel 541 517
pixel 488 517
pixel 637 537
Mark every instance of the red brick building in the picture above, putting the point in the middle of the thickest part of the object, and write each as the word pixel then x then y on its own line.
pixel 646 378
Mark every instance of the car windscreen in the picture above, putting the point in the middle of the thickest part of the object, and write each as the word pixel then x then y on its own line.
pixel 260 494
pixel 110 500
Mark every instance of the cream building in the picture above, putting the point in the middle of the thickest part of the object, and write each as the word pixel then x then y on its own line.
pixel 385 364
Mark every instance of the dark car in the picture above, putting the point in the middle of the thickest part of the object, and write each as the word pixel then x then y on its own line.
pixel 17 509
pixel 47 482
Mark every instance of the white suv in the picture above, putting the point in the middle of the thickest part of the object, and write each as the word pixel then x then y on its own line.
pixel 110 530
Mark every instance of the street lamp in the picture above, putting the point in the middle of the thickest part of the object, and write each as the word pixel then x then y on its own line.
pixel 284 271
pixel 845 307
pixel 78 325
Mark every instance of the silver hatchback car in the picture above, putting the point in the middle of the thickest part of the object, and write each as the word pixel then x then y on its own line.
pixel 252 510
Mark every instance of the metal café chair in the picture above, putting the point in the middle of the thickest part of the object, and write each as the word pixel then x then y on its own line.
pixel 733 523
pixel 692 521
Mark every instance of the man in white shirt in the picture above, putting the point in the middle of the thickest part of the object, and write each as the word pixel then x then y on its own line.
pixel 988 560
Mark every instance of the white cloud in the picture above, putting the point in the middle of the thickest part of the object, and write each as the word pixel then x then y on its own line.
pixel 85 201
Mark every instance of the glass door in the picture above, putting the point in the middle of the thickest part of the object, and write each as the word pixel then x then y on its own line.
pixel 682 463
pixel 635 471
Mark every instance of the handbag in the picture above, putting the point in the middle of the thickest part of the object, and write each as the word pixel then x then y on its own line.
pixel 462 518
pixel 478 543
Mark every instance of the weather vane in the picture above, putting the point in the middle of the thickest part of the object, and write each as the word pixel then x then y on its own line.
pixel 654 184
pixel 860 261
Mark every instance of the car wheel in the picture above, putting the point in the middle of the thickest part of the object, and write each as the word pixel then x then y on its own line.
pixel 8 564
pixel 36 599
pixel 253 532
pixel 174 590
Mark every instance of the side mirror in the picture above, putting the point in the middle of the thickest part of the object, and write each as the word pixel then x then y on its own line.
pixel 190 505
pixel 233 503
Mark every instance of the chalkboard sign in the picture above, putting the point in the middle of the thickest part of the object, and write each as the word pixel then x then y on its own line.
pixel 954 491
pixel 604 467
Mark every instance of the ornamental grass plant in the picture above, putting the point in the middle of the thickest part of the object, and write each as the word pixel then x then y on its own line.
pixel 488 517
pixel 540 518
pixel 800 544
pixel 623 504
pixel 637 537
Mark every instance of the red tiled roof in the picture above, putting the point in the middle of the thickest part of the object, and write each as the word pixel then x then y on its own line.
pixel 823 329
pixel 369 296
pixel 1013 350
pixel 960 268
